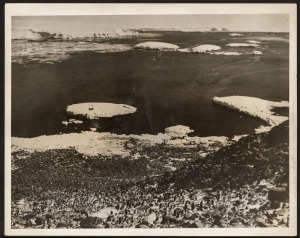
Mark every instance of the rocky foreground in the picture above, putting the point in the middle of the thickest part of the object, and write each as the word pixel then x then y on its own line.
pixel 244 184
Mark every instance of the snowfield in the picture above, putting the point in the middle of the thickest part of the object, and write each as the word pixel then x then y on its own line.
pixel 99 110
pixel 153 45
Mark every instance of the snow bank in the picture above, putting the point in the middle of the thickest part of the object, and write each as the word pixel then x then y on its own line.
pixel 205 48
pixel 178 131
pixel 154 45
pixel 235 35
pixel 256 52
pixel 255 107
pixel 99 110
pixel 242 45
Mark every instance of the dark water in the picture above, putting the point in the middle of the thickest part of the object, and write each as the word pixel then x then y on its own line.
pixel 167 88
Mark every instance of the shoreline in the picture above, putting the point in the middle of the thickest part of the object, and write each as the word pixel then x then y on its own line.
pixel 105 143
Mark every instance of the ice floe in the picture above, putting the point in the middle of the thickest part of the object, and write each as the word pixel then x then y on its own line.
pixel 178 131
pixel 253 42
pixel 256 107
pixel 235 35
pixel 225 53
pixel 205 48
pixel 154 45
pixel 242 45
pixel 99 110
pixel 256 52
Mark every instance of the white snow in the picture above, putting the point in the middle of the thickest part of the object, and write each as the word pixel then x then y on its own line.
pixel 154 45
pixel 185 50
pixel 71 31
pixel 178 131
pixel 205 48
pixel 235 35
pixel 256 52
pixel 253 42
pixel 224 53
pixel 108 144
pixel 256 107
pixel 242 45
pixel 99 110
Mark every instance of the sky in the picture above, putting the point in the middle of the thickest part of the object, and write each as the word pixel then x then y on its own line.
pixel 233 22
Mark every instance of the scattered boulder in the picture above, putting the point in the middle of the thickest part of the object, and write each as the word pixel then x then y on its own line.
pixel 90 222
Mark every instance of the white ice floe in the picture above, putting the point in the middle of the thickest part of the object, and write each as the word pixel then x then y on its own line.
pixel 185 50
pixel 205 48
pixel 255 107
pixel 253 42
pixel 154 45
pixel 256 52
pixel 99 110
pixel 224 53
pixel 235 35
pixel 75 121
pixel 242 45
pixel 178 131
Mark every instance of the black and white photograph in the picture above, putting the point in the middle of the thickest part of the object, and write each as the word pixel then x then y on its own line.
pixel 152 120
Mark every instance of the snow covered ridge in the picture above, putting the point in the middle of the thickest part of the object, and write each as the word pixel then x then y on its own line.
pixel 255 107
pixel 242 45
pixel 99 110
pixel 69 34
pixel 154 45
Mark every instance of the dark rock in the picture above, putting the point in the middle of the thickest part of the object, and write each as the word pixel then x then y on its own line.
pixel 90 222
pixel 40 220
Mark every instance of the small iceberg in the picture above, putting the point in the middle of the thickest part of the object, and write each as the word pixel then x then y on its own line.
pixel 253 42
pixel 255 107
pixel 235 35
pixel 205 48
pixel 225 53
pixel 178 131
pixel 256 52
pixel 153 45
pixel 242 45
pixel 99 110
